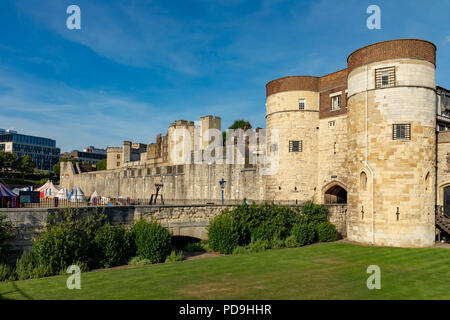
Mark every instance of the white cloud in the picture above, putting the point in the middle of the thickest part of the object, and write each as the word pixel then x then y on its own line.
pixel 75 118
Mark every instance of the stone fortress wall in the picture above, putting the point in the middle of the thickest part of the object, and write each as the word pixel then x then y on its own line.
pixel 365 135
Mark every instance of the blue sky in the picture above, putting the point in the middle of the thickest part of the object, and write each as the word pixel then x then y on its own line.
pixel 136 66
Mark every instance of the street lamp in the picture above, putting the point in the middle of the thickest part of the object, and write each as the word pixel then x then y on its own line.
pixel 222 186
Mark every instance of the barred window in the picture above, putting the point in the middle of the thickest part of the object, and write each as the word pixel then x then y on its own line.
pixel 385 77
pixel 295 146
pixel 401 131
pixel 301 104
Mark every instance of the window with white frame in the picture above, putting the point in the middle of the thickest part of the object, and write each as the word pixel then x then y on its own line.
pixel 301 104
pixel 336 102
pixel 331 124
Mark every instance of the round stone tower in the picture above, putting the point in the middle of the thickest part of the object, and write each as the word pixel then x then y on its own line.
pixel 392 143
pixel 292 122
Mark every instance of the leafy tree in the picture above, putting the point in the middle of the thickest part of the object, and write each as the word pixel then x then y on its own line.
pixel 8 161
pixel 25 165
pixel 6 233
pixel 101 165
pixel 238 124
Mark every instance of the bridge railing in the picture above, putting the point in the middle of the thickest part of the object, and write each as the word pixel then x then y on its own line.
pixel 64 203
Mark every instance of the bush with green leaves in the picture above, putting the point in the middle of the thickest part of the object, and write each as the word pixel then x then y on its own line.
pixel 113 246
pixel 194 247
pixel 312 213
pixel 265 221
pixel 290 242
pixel 152 241
pixel 304 233
pixel 258 245
pixel 225 233
pixel 175 256
pixel 326 232
pixel 6 272
pixel 29 267
pixel 138 261
pixel 59 247
pixel 6 234
pixel 241 250
pixel 277 243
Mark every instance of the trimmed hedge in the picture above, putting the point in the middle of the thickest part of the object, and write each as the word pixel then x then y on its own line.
pixel 152 241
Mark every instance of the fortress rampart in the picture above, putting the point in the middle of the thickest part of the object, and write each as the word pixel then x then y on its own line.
pixel 365 135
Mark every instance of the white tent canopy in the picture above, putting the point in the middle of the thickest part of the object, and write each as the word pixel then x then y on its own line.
pixel 48 190
pixel 63 194
pixel 76 194
pixel 95 195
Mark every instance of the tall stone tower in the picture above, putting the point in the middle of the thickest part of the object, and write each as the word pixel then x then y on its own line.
pixel 292 116
pixel 392 143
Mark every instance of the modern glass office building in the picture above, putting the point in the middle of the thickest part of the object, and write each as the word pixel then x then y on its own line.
pixel 43 151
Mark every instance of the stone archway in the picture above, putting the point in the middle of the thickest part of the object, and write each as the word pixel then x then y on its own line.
pixel 335 193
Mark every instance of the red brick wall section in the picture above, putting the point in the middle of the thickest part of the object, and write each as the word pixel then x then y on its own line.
pixel 328 84
pixel 393 49
pixel 307 83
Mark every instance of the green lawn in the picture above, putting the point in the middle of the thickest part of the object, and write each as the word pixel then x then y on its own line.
pixel 323 271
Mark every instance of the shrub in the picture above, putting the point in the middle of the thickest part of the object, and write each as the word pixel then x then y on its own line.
pixel 303 233
pixel 6 233
pixel 85 224
pixel 152 241
pixel 291 242
pixel 113 246
pixel 139 261
pixel 240 250
pixel 277 243
pixel 28 267
pixel 59 247
pixel 258 245
pixel 6 272
pixel 225 233
pixel 265 221
pixel 194 247
pixel 175 256
pixel 326 232
pixel 314 213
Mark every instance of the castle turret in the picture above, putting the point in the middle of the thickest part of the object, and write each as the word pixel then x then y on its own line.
pixel 392 143
pixel 292 119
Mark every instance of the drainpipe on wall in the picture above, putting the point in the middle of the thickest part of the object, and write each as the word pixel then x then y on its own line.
pixel 366 163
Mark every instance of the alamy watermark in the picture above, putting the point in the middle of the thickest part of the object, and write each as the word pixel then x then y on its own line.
pixel 374 281
pixel 74 281
pixel 374 20
pixel 74 20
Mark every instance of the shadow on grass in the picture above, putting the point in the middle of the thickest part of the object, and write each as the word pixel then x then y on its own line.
pixel 17 289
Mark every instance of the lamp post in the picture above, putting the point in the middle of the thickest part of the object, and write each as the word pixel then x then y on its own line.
pixel 222 186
